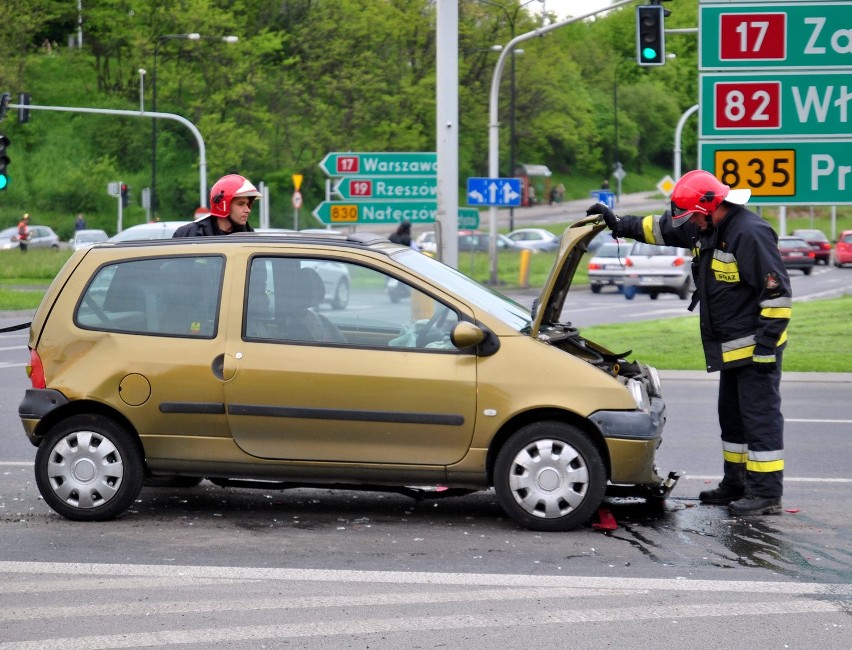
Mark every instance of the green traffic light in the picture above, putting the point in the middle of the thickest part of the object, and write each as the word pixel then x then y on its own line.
pixel 649 53
pixel 4 181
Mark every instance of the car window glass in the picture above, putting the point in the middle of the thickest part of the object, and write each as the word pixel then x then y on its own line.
pixel 175 296
pixel 298 300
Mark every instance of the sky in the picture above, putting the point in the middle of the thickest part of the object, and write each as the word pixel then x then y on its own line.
pixel 565 8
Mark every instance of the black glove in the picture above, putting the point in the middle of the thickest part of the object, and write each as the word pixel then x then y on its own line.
pixel 611 219
pixel 764 359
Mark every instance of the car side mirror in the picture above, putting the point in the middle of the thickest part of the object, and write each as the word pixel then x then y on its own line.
pixel 466 335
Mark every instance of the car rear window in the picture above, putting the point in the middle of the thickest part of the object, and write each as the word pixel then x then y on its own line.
pixel 652 250
pixel 166 296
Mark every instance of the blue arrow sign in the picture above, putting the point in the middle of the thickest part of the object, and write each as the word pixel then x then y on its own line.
pixel 494 191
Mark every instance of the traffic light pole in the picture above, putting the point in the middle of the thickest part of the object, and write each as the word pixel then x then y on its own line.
pixel 202 151
pixel 494 118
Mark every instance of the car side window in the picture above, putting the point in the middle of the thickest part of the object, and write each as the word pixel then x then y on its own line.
pixel 174 296
pixel 328 302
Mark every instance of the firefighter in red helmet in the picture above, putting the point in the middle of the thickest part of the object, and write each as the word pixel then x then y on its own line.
pixel 231 198
pixel 745 300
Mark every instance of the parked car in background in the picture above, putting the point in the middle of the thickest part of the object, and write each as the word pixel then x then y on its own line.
pixel 608 265
pixel 658 269
pixel 40 237
pixel 155 230
pixel 209 358
pixel 797 254
pixel 83 238
pixel 598 240
pixel 817 240
pixel 843 249
pixel 537 239
pixel 469 240
pixel 427 241
pixel 474 240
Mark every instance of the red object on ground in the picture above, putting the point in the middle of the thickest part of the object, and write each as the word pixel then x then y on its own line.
pixel 605 520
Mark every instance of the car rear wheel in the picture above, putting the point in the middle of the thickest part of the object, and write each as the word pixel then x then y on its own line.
pixel 683 291
pixel 596 288
pixel 807 271
pixel 549 477
pixel 88 468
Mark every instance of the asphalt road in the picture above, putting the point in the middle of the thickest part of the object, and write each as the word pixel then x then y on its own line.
pixel 212 567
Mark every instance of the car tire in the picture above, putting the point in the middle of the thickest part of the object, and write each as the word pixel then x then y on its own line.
pixel 654 294
pixel 683 292
pixel 341 294
pixel 629 292
pixel 807 271
pixel 596 288
pixel 549 476
pixel 89 468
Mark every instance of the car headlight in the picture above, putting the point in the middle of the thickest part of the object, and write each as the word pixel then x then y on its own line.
pixel 640 394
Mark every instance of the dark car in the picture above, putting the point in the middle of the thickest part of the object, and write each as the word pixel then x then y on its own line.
pixel 797 254
pixel 818 242
pixel 473 240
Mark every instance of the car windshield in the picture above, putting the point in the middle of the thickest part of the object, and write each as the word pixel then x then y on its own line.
pixel 90 236
pixel 810 234
pixel 510 312
pixel 794 243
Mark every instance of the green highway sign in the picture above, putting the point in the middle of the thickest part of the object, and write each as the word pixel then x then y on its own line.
pixel 785 35
pixel 391 187
pixel 468 218
pixel 380 164
pixel 813 172
pixel 776 104
pixel 341 213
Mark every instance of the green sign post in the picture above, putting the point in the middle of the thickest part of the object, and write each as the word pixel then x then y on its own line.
pixel 419 163
pixel 344 213
pixel 784 134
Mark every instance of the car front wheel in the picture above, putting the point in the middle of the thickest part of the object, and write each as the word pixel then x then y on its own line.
pixel 549 477
pixel 341 295
pixel 88 468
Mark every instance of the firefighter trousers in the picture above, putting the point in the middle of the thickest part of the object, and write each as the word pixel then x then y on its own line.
pixel 752 429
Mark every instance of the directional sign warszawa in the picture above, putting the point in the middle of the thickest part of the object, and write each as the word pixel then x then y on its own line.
pixel 350 163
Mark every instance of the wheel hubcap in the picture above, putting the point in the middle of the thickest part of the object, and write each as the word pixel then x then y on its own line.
pixel 85 469
pixel 549 478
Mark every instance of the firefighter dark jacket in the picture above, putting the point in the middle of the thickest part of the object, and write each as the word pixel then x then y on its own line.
pixel 743 288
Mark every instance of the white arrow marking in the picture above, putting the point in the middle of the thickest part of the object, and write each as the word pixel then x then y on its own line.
pixel 476 196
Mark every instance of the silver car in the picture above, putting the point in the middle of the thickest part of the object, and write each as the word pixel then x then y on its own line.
pixel 658 269
pixel 40 237
pixel 85 238
pixel 608 266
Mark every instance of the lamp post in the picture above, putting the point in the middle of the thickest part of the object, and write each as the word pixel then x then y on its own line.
pixel 513 147
pixel 193 36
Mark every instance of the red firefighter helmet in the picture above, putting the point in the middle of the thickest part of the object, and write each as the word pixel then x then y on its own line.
pixel 700 192
pixel 225 190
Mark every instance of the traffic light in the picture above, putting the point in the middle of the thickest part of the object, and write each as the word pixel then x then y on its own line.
pixel 4 162
pixel 650 35
pixel 125 195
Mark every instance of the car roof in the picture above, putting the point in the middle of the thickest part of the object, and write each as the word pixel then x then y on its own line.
pixel 356 240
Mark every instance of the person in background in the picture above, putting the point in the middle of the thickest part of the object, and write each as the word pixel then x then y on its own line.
pixel 745 307
pixel 402 235
pixel 605 184
pixel 80 223
pixel 231 198
pixel 23 232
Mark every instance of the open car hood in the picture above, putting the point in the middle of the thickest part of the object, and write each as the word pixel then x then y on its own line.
pixel 574 244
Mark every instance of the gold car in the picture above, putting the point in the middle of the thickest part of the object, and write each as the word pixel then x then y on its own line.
pixel 212 358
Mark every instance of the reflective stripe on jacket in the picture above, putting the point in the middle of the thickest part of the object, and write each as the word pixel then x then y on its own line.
pixel 742 284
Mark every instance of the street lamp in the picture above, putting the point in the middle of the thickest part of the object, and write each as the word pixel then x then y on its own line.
pixel 513 150
pixel 194 36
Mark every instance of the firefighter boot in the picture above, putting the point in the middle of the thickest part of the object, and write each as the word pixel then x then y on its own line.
pixel 722 495
pixel 752 505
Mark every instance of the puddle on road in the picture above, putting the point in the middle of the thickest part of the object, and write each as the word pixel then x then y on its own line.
pixel 792 545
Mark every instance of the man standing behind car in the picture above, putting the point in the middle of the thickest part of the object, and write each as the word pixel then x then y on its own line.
pixel 745 306
pixel 231 198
